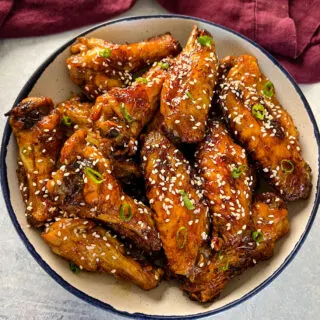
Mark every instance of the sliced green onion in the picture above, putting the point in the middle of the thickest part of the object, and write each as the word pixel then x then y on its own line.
pixel 125 212
pixel 66 121
pixel 236 172
pixel 27 150
pixel 182 235
pixel 205 41
pixel 268 89
pixel 73 267
pixel 163 65
pixel 186 200
pixel 106 53
pixel 141 80
pixel 257 236
pixel 91 139
pixel 125 113
pixel 224 267
pixel 287 166
pixel 258 111
pixel 189 95
pixel 94 175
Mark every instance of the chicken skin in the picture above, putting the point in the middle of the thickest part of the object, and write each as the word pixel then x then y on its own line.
pixel 37 129
pixel 188 88
pixel 120 114
pixel 228 184
pixel 97 65
pixel 180 212
pixel 92 248
pixel 85 187
pixel 242 234
pixel 263 126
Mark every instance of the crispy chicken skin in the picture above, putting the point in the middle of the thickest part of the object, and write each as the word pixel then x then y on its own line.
pixel 77 109
pixel 263 126
pixel 92 248
pixel 188 89
pixel 269 218
pixel 75 191
pixel 97 65
pixel 228 185
pixel 120 114
pixel 37 130
pixel 182 228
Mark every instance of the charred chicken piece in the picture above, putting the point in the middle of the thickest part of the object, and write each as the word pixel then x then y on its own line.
pixel 97 65
pixel 85 187
pixel 120 115
pixel 188 88
pixel 180 212
pixel 93 248
pixel 36 127
pixel 263 126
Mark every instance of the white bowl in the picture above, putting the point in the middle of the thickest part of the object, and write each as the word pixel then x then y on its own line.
pixel 51 79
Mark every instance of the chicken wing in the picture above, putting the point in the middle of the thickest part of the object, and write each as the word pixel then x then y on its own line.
pixel 76 112
pixel 228 185
pixel 92 248
pixel 263 126
pixel 121 114
pixel 84 186
pixel 36 127
pixel 188 88
pixel 97 65
pixel 180 210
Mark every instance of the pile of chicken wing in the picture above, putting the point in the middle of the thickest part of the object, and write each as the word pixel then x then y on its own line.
pixel 151 172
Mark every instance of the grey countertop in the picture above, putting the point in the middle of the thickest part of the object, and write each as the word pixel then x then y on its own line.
pixel 27 292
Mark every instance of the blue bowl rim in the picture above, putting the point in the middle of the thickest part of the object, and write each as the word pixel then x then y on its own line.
pixel 6 193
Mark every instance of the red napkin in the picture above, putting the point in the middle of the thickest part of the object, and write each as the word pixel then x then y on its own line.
pixel 289 29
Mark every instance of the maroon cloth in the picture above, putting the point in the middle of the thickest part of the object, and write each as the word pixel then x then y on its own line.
pixel 289 29
pixel 25 18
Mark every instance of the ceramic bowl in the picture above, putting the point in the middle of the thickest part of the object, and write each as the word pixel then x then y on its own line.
pixel 51 79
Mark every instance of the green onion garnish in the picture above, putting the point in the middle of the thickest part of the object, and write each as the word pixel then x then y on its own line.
pixel 287 166
pixel 189 95
pixel 125 212
pixel 186 200
pixel 257 236
pixel 73 267
pixel 258 111
pixel 163 65
pixel 225 267
pixel 125 112
pixel 182 235
pixel 205 41
pixel 91 139
pixel 268 89
pixel 141 80
pixel 94 175
pixel 106 53
pixel 66 121
pixel 236 172
pixel 27 150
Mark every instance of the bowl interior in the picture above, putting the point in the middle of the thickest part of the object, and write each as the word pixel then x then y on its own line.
pixel 167 299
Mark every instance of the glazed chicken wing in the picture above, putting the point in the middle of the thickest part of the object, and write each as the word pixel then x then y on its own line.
pixel 76 112
pixel 180 211
pixel 188 88
pixel 38 133
pixel 121 114
pixel 97 65
pixel 228 185
pixel 242 234
pixel 92 248
pixel 85 187
pixel 263 126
